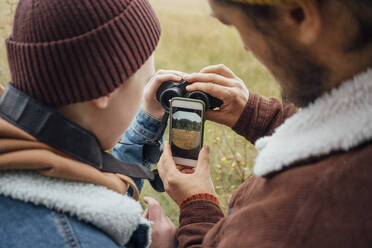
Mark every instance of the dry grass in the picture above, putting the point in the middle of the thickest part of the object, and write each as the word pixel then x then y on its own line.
pixel 185 139
pixel 6 14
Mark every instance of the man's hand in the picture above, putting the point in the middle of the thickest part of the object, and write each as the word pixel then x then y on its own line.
pixel 219 81
pixel 151 104
pixel 180 185
pixel 163 230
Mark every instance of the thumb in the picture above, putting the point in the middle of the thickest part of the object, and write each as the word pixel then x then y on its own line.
pixel 166 164
pixel 203 160
pixel 146 213
pixel 154 211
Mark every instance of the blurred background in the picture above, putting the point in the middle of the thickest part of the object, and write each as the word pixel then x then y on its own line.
pixel 192 39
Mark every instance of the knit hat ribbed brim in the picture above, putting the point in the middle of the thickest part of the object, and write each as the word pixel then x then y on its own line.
pixel 69 51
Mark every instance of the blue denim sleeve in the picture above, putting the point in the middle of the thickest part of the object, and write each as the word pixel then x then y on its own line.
pixel 143 128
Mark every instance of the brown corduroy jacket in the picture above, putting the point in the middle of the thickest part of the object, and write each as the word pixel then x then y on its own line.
pixel 318 201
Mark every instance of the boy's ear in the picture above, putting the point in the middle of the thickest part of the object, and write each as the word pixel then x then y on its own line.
pixel 102 102
pixel 308 19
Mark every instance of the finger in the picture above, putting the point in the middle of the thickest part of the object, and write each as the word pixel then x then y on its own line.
pixel 219 69
pixel 203 161
pixel 146 213
pixel 218 91
pixel 154 210
pixel 209 78
pixel 159 79
pixel 155 83
pixel 166 165
pixel 179 73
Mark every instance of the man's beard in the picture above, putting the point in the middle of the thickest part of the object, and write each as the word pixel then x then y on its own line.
pixel 301 80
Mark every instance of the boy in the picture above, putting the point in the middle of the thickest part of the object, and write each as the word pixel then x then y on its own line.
pixel 78 73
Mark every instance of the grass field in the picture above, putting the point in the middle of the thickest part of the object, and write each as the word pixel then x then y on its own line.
pixel 185 139
pixel 191 40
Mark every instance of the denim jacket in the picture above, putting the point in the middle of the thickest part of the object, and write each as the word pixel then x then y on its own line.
pixel 142 129
pixel 26 222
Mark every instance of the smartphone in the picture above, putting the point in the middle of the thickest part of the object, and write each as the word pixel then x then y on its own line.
pixel 186 130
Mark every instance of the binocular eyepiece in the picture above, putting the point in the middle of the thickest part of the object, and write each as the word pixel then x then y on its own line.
pixel 171 89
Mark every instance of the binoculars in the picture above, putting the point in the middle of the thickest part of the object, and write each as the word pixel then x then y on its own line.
pixel 171 89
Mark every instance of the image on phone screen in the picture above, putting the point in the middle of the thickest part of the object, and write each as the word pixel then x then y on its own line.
pixel 187 126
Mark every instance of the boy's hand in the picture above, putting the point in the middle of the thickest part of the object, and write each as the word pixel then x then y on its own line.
pixel 163 230
pixel 180 185
pixel 219 81
pixel 151 104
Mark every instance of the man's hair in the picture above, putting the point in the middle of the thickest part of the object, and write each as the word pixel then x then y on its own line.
pixel 360 9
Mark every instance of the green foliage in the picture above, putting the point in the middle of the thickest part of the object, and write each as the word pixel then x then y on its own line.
pixel 191 40
pixel 186 124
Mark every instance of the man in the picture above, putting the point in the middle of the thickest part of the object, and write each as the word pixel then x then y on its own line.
pixel 312 183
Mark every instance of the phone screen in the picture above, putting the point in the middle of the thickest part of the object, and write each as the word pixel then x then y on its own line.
pixel 186 133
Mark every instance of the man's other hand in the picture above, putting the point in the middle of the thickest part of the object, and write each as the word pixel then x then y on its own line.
pixel 163 230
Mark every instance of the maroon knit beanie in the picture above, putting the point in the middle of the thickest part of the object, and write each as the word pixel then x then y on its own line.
pixel 69 51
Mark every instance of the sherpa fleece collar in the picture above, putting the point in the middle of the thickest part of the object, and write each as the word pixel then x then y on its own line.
pixel 116 215
pixel 337 121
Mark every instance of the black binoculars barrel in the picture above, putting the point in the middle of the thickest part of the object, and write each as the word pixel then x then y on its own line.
pixel 170 89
